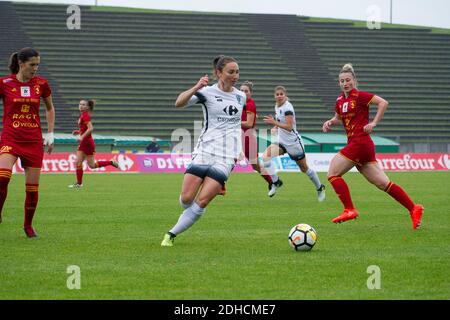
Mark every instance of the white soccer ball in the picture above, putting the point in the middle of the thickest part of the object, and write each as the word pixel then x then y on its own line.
pixel 302 237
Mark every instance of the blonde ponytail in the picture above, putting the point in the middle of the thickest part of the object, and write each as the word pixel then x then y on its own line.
pixel 348 67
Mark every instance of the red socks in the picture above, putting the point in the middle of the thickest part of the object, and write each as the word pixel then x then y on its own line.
pixel 31 198
pixel 400 195
pixel 267 178
pixel 103 163
pixel 31 201
pixel 98 164
pixel 80 174
pixel 341 189
pixel 5 176
pixel 395 191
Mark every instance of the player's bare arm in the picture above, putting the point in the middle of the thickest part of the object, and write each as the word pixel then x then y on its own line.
pixel 50 116
pixel 286 126
pixel 184 97
pixel 382 106
pixel 326 127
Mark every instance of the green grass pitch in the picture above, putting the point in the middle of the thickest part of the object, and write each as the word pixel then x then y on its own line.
pixel 112 229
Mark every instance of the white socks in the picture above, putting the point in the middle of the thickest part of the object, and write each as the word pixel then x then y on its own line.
pixel 270 169
pixel 314 178
pixel 189 216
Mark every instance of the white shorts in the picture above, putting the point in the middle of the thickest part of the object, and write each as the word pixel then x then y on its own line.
pixel 295 151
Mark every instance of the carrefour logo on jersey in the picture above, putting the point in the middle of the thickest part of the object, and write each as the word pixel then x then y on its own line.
pixel 230 110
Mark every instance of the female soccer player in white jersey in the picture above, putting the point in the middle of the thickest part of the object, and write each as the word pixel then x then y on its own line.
pixel 218 146
pixel 289 141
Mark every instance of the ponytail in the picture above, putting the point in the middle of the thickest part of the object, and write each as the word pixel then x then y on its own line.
pixel 91 104
pixel 14 63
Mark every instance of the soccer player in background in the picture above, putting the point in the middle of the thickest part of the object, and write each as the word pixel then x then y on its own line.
pixel 289 141
pixel 218 146
pixel 249 142
pixel 352 109
pixel 86 147
pixel 21 137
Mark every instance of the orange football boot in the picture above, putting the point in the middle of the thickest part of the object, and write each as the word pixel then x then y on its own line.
pixel 416 215
pixel 347 214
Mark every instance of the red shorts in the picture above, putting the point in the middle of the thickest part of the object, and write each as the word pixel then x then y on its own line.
pixel 360 151
pixel 249 144
pixel 29 153
pixel 87 146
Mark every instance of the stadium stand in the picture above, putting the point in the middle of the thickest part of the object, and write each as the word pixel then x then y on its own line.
pixel 135 62
pixel 14 37
pixel 410 67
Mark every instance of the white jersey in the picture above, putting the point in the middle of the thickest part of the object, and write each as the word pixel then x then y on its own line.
pixel 221 134
pixel 286 137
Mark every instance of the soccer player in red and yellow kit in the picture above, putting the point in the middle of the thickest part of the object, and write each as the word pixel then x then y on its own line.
pixel 249 142
pixel 86 148
pixel 352 109
pixel 21 137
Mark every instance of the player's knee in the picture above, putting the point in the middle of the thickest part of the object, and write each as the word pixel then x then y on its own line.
pixel 333 172
pixel 185 204
pixel 303 167
pixel 186 199
pixel 332 176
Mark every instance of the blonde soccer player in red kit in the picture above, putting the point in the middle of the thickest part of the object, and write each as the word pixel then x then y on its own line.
pixel 352 109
